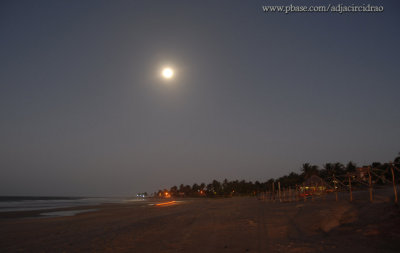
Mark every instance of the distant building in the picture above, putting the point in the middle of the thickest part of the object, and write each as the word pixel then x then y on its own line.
pixel 314 185
pixel 362 173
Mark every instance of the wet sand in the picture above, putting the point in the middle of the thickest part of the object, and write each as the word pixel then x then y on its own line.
pixel 241 224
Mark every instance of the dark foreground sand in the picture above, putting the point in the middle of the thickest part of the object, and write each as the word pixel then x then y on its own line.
pixel 241 224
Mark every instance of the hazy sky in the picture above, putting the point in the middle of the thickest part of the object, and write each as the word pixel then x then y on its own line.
pixel 83 110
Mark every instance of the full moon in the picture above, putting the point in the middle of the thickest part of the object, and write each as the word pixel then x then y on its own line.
pixel 167 73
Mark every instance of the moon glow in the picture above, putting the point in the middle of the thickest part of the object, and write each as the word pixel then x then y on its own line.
pixel 167 73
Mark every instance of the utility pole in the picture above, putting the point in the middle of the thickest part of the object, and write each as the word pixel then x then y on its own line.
pixel 334 183
pixel 370 183
pixel 351 193
pixel 279 191
pixel 394 183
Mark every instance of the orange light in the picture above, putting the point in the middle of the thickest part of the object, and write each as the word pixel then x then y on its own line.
pixel 166 203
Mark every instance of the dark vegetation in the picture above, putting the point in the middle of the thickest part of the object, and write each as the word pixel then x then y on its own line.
pixel 380 175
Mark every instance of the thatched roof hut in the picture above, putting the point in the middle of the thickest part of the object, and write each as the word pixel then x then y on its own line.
pixel 314 185
pixel 315 180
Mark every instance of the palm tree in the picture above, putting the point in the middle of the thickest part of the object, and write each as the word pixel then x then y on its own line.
pixel 397 160
pixel 195 188
pixel 338 168
pixel 217 187
pixel 187 190
pixel 309 170
pixel 351 167
pixel 210 191
pixel 328 171
pixel 226 187
pixel 174 191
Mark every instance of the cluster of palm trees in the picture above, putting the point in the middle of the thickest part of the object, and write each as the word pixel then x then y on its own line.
pixel 381 175
pixel 215 188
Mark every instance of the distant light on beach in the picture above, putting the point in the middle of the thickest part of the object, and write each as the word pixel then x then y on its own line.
pixel 167 203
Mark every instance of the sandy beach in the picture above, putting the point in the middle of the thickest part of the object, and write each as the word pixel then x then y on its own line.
pixel 241 224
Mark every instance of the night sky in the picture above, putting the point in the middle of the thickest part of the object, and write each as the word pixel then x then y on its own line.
pixel 84 110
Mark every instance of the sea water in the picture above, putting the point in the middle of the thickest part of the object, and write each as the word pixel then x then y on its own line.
pixel 29 203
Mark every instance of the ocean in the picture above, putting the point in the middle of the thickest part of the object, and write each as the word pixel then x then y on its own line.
pixel 29 203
